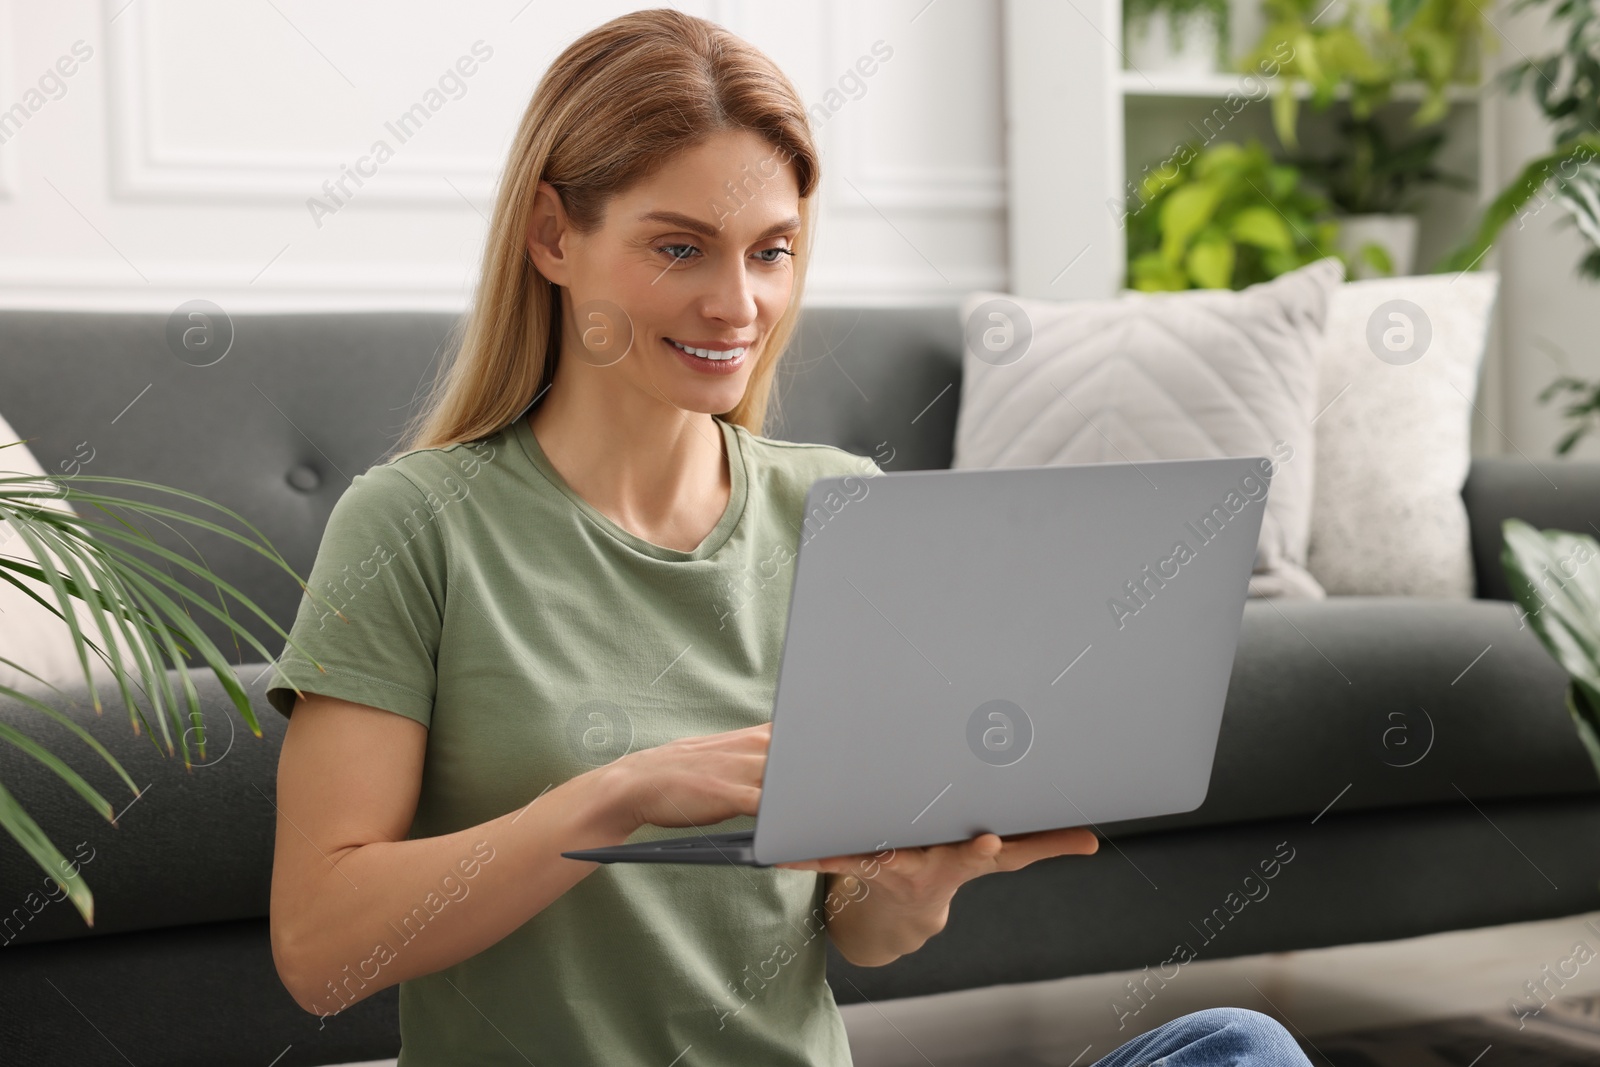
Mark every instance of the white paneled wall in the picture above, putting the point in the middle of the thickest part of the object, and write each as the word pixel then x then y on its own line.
pixel 158 151
pixel 271 154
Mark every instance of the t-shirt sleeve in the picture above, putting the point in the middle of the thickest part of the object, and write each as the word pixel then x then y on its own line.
pixel 375 623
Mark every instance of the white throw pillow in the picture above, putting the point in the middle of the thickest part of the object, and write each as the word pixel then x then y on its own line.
pixel 1399 375
pixel 1196 374
pixel 31 635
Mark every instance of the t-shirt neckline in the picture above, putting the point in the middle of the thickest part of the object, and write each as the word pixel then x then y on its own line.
pixel 732 449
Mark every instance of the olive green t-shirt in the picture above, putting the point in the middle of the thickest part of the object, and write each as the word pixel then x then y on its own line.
pixel 537 639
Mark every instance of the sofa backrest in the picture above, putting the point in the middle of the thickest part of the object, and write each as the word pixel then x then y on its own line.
pixel 301 403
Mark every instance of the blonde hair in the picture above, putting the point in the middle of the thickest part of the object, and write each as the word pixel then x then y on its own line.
pixel 615 105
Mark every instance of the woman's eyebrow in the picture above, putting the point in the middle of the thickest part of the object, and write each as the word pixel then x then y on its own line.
pixel 705 229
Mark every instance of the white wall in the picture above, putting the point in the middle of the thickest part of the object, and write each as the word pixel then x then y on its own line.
pixel 177 159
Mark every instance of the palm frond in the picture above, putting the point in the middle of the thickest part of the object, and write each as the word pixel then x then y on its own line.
pixel 142 614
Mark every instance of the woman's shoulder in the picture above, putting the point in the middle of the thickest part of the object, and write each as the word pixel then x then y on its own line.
pixel 405 487
pixel 810 460
pixel 438 468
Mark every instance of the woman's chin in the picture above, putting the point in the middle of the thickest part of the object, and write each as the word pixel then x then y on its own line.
pixel 709 401
pixel 711 394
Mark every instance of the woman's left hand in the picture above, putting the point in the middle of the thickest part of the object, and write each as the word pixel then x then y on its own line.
pixel 927 877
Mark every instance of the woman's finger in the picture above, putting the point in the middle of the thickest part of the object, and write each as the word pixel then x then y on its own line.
pixel 1028 848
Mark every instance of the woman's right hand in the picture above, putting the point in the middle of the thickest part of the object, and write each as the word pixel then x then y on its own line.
pixel 695 781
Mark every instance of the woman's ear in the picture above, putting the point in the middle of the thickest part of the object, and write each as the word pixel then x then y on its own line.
pixel 546 235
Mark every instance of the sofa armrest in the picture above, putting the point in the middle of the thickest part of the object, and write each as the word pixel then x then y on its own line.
pixel 1548 494
pixel 194 847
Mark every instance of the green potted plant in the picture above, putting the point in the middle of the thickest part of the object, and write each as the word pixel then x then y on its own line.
pixel 1372 183
pixel 1328 53
pixel 132 600
pixel 1554 578
pixel 1224 218
pixel 1443 42
pixel 1570 175
pixel 1365 50
pixel 1175 36
pixel 1563 83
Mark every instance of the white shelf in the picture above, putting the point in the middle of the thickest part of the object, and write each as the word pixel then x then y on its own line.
pixel 1219 85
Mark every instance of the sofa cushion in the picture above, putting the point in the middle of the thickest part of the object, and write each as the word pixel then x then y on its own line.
pixel 1383 702
pixel 1154 376
pixel 1394 435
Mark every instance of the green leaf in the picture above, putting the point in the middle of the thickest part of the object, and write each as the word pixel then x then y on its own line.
pixel 1262 227
pixel 14 736
pixel 1285 116
pixel 20 825
pixel 1224 156
pixel 1277 263
pixel 1571 157
pixel 81 559
pixel 1210 262
pixel 1376 256
pixel 1582 705
pixel 1184 211
pixel 1151 273
pixel 78 731
pixel 1401 12
pixel 1559 593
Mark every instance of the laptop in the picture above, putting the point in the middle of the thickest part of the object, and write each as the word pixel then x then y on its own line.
pixel 1004 649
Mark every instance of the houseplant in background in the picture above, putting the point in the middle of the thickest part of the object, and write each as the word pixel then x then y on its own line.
pixel 1372 182
pixel 1175 36
pixel 1565 85
pixel 1572 174
pixel 1224 218
pixel 1443 42
pixel 131 600
pixel 1555 577
pixel 1329 53
pixel 1364 51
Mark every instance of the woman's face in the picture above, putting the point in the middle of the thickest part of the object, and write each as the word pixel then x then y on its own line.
pixel 699 255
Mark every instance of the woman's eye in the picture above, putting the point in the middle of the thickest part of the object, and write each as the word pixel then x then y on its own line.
pixel 683 253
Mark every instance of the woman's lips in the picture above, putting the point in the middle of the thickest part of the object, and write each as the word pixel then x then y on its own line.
pixel 708 366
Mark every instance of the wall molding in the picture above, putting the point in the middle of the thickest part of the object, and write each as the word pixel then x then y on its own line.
pixel 142 168
pixel 102 285
pixel 153 185
pixel 952 187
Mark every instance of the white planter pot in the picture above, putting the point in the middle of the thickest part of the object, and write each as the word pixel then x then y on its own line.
pixel 1396 234
pixel 1152 45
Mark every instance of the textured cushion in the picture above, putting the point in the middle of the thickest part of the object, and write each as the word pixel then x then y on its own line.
pixel 1152 376
pixel 1398 374
pixel 30 635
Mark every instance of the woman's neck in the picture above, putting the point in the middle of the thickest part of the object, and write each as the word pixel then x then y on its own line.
pixel 657 471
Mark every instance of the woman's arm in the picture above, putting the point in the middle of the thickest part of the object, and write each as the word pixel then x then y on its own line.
pixel 896 904
pixel 356 907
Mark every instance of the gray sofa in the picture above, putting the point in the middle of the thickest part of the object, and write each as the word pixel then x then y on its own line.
pixel 1412 758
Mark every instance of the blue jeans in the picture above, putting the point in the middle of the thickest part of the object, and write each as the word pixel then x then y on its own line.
pixel 1215 1037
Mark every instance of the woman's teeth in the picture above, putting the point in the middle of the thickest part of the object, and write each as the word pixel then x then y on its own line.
pixel 706 353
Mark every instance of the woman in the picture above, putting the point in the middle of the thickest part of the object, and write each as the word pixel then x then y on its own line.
pixel 520 641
